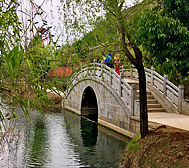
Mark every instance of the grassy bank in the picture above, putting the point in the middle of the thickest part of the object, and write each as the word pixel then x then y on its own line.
pixel 163 147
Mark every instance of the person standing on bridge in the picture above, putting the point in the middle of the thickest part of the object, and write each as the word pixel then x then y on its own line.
pixel 108 60
pixel 117 63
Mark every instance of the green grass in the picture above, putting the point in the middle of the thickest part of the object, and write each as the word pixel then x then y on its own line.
pixel 133 144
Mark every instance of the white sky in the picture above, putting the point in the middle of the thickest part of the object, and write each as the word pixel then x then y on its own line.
pixel 53 17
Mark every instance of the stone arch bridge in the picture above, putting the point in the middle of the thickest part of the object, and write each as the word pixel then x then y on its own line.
pixel 98 92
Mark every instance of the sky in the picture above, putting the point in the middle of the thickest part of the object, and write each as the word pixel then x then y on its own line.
pixel 52 15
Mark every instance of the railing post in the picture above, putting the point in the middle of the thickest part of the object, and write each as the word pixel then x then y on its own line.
pixel 164 85
pixel 120 87
pixel 180 98
pixel 102 71
pixel 122 70
pixel 82 70
pixel 152 75
pixel 94 70
pixel 101 63
pixel 131 72
pixel 111 78
pixel 133 97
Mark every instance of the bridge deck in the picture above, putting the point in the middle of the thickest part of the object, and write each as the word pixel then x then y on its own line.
pixel 133 81
pixel 170 119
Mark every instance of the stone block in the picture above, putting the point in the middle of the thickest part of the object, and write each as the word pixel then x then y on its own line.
pixel 103 112
pixel 132 122
pixel 118 109
pixel 110 120
pixel 126 126
pixel 109 115
pixel 137 130
pixel 113 115
pixel 116 122
pixel 126 118
pixel 113 109
pixel 121 124
pixel 120 117
pixel 131 128
pixel 185 108
pixel 116 115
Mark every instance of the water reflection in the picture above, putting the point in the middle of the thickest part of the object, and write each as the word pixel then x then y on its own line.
pixel 65 141
pixel 39 144
pixel 89 132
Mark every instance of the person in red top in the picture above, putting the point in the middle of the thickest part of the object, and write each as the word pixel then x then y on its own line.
pixel 117 63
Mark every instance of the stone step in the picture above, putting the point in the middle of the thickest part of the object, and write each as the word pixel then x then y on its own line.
pixel 148 96
pixel 156 110
pixel 148 92
pixel 154 105
pixel 133 83
pixel 151 101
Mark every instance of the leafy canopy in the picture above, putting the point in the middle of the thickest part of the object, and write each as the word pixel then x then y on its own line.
pixel 166 38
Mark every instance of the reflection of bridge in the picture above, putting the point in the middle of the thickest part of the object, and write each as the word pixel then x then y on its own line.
pixel 97 90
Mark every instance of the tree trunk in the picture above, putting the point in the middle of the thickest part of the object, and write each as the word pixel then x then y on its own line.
pixel 138 63
pixel 143 103
pixel 142 92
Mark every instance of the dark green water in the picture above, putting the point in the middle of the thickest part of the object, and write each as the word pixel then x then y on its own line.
pixel 63 141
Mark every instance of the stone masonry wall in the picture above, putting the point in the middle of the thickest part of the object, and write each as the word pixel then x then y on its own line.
pixel 111 108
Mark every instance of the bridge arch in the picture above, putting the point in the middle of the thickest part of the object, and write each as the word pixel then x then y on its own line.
pixel 89 106
pixel 114 103
pixel 111 108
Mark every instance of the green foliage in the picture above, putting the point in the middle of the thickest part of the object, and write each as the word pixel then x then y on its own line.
pixel 66 55
pixel 22 71
pixel 9 25
pixel 168 135
pixel 134 144
pixel 166 39
pixel 177 9
pixel 39 56
pixel 13 60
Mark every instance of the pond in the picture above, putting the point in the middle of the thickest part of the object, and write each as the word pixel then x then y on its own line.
pixel 62 140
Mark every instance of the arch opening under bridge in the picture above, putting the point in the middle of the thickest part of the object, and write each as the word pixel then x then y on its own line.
pixel 89 106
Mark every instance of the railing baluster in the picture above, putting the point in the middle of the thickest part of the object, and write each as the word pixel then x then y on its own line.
pixel 180 98
pixel 111 78
pixel 164 85
pixel 152 76
pixel 131 72
pixel 94 70
pixel 120 87
pixel 102 69
pixel 133 97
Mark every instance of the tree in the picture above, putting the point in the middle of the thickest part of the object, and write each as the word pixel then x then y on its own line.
pixel 115 9
pixel 177 9
pixel 19 80
pixel 166 38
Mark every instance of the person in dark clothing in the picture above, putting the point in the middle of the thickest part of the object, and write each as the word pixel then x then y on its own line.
pixel 108 60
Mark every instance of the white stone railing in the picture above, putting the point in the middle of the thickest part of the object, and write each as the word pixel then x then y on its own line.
pixel 161 84
pixel 171 92
pixel 127 93
pixel 103 73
